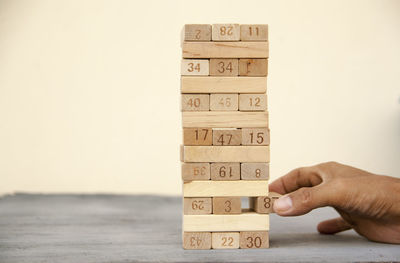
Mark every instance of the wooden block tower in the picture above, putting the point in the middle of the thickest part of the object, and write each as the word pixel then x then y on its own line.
pixel 225 151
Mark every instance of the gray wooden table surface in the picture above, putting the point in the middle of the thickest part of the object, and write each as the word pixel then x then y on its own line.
pixel 115 228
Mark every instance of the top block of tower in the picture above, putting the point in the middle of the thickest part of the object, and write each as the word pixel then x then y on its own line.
pixel 196 32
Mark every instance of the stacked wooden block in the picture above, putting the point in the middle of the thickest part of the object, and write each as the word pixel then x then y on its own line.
pixel 225 150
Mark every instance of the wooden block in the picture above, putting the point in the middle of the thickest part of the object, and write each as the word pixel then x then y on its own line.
pixel 224 119
pixel 226 205
pixel 197 32
pixel 264 204
pixel 225 240
pixel 225 50
pixel 255 136
pixel 254 32
pixel 197 240
pixel 195 102
pixel 224 67
pixel 225 188
pixel 198 67
pixel 252 102
pixel 223 84
pixel 227 136
pixel 225 32
pixel 224 102
pixel 253 67
pixel 197 205
pixel 248 221
pixel 195 171
pixel 246 154
pixel 254 171
pixel 225 171
pixel 197 136
pixel 254 239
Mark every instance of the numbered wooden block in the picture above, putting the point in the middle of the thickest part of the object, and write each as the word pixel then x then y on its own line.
pixel 199 67
pixel 252 102
pixel 254 32
pixel 197 240
pixel 224 102
pixel 195 171
pixel 226 205
pixel 225 50
pixel 197 136
pixel 254 171
pixel 227 136
pixel 254 239
pixel 264 204
pixel 225 188
pixel 225 32
pixel 197 206
pixel 225 240
pixel 224 67
pixel 253 67
pixel 225 171
pixel 255 136
pixel 197 32
pixel 195 102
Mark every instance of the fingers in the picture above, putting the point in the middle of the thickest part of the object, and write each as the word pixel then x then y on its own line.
pixel 300 177
pixel 333 226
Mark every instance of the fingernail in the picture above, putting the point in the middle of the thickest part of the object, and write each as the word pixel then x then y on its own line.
pixel 283 204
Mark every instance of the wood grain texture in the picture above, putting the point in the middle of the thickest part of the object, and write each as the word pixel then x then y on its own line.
pixel 224 102
pixel 252 102
pixel 196 240
pixel 199 67
pixel 224 119
pixel 254 171
pixel 253 67
pixel 197 205
pixel 225 32
pixel 225 188
pixel 223 137
pixel 248 221
pixel 225 171
pixel 254 239
pixel 195 171
pixel 225 50
pixel 264 204
pixel 254 32
pixel 195 102
pixel 197 32
pixel 197 136
pixel 225 240
pixel 190 84
pixel 248 154
pixel 226 205
pixel 255 136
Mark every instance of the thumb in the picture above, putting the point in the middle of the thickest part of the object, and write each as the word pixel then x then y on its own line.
pixel 302 201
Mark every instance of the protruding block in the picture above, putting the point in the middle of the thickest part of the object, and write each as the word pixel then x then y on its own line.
pixel 224 102
pixel 223 84
pixel 197 136
pixel 225 32
pixel 253 67
pixel 195 102
pixel 254 32
pixel 199 67
pixel 226 205
pixel 195 171
pixel 225 240
pixel 255 136
pixel 224 119
pixel 247 221
pixel 225 50
pixel 254 239
pixel 264 204
pixel 252 102
pixel 197 240
pixel 224 67
pixel 227 136
pixel 246 154
pixel 197 32
pixel 197 205
pixel 225 171
pixel 254 171
pixel 225 188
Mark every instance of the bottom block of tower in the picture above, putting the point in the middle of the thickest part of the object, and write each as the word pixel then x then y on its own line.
pixel 225 240
pixel 196 240
pixel 254 239
pixel 247 221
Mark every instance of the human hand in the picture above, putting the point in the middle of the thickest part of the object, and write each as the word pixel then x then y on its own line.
pixel 368 203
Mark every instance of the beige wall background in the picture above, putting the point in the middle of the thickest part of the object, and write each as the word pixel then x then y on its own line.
pixel 89 90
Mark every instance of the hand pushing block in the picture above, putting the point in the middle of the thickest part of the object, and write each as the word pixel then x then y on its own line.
pixel 264 204
pixel 195 102
pixel 255 136
pixel 252 102
pixel 197 136
pixel 225 240
pixel 254 32
pixel 227 136
pixel 254 171
pixel 224 102
pixel 224 67
pixel 253 67
pixel 195 171
pixel 197 206
pixel 225 32
pixel 197 32
pixel 254 239
pixel 197 240
pixel 225 171
pixel 226 205
pixel 199 67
